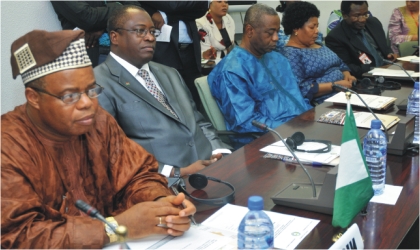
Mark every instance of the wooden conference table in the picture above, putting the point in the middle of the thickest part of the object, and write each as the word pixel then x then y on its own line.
pixel 384 226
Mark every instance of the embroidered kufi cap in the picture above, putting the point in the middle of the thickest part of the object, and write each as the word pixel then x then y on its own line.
pixel 39 53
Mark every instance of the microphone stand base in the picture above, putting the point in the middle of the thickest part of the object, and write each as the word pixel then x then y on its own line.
pixel 403 136
pixel 300 195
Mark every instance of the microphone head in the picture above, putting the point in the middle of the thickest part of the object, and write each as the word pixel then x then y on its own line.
pixel 259 125
pixel 86 208
pixel 338 86
pixel 388 61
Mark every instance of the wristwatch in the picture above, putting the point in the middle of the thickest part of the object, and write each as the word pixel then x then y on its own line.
pixel 177 172
pixel 111 234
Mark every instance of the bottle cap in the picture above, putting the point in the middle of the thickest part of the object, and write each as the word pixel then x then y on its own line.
pixel 255 203
pixel 416 85
pixel 376 124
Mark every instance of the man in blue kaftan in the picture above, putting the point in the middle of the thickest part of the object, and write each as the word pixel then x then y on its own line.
pixel 253 82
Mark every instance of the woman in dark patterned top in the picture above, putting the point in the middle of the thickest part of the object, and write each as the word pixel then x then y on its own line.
pixel 315 66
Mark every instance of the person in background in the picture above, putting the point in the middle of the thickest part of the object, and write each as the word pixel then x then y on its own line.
pixel 283 38
pixel 90 16
pixel 315 66
pixel 217 30
pixel 182 48
pixel 60 147
pixel 359 40
pixel 404 24
pixel 157 110
pixel 335 18
pixel 253 82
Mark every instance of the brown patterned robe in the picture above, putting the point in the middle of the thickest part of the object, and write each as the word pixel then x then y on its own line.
pixel 41 179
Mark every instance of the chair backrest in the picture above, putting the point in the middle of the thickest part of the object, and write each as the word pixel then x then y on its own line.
pixel 406 48
pixel 209 104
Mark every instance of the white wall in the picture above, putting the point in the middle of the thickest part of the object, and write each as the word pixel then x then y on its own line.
pixel 20 17
pixel 17 19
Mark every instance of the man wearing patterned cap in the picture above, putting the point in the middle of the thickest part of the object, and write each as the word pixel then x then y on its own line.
pixel 60 146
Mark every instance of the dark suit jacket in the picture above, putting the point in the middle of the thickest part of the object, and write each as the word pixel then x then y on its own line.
pixel 186 11
pixel 146 121
pixel 344 42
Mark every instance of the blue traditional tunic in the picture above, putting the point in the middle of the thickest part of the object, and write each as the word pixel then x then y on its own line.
pixel 247 88
pixel 313 66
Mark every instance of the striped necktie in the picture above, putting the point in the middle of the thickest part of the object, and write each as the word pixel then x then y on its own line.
pixel 152 88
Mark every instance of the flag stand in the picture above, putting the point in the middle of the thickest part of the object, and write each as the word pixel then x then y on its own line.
pixel 338 235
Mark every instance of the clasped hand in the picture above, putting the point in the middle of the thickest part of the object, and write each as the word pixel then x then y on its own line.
pixel 142 219
pixel 210 53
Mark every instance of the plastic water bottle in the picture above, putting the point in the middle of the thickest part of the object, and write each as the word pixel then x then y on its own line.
pixel 413 109
pixel 256 229
pixel 374 149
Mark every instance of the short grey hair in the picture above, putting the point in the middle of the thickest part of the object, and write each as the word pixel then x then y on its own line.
pixel 255 12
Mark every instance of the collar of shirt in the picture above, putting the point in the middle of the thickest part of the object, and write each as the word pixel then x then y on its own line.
pixel 133 70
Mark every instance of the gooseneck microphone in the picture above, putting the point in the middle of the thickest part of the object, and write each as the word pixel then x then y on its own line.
pixel 93 212
pixel 401 67
pixel 336 86
pixel 265 127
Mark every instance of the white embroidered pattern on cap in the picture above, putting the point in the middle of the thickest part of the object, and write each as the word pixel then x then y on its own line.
pixel 24 58
pixel 75 56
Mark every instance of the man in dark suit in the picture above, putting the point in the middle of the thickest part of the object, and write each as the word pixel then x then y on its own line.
pixel 183 50
pixel 359 40
pixel 90 16
pixel 150 101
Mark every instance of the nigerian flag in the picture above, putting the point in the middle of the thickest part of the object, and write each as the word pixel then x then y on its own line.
pixel 353 189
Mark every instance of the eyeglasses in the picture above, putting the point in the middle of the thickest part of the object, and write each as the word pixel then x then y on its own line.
pixel 142 32
pixel 74 97
pixel 358 17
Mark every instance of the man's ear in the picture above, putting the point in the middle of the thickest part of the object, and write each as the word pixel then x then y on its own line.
pixel 113 37
pixel 249 30
pixel 345 16
pixel 32 97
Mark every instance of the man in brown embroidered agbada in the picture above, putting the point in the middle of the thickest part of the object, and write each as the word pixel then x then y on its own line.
pixel 60 146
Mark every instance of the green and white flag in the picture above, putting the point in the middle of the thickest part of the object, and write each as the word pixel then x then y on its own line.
pixel 353 189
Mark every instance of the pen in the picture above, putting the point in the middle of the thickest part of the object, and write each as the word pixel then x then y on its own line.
pixel 183 205
pixel 313 163
pixel 292 160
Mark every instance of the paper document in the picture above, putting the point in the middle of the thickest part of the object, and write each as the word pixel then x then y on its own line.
pixel 408 58
pixel 363 119
pixel 289 230
pixel 165 35
pixel 389 196
pixel 279 149
pixel 392 72
pixel 197 237
pixel 373 101
pixel 291 159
